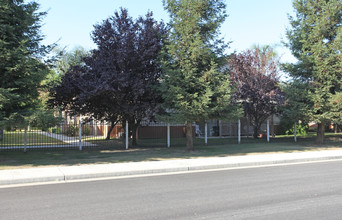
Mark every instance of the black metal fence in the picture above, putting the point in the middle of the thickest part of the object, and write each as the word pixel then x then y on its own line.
pixel 90 135
pixel 95 135
pixel 60 137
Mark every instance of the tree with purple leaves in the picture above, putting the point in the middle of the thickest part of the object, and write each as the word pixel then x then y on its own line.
pixel 254 74
pixel 118 80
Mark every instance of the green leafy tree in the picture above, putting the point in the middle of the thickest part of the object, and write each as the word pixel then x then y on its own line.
pixel 315 39
pixel 62 61
pixel 194 88
pixel 297 101
pixel 67 59
pixel 336 109
pixel 266 53
pixel 43 116
pixel 44 119
pixel 297 104
pixel 21 55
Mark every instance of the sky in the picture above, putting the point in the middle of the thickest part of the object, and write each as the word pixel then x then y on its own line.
pixel 249 22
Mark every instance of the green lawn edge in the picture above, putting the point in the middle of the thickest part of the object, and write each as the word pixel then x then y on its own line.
pixel 118 154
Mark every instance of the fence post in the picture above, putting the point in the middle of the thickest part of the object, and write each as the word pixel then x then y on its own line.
pixel 25 139
pixel 80 134
pixel 268 130
pixel 95 127
pixel 220 128
pixel 105 128
pixel 127 134
pixel 206 133
pixel 295 131
pixel 168 135
pixel 239 131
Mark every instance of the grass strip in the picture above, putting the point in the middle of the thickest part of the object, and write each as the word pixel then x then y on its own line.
pixel 113 151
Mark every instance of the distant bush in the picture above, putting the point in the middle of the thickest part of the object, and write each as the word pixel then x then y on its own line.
pixel 71 130
pixel 86 130
pixel 287 128
pixel 44 119
pixel 301 130
pixel 56 130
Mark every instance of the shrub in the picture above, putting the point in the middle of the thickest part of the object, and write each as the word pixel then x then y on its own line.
pixel 287 128
pixel 71 130
pixel 44 119
pixel 56 130
pixel 86 130
pixel 301 130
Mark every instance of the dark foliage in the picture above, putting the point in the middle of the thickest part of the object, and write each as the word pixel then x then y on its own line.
pixel 21 55
pixel 193 85
pixel 314 38
pixel 254 75
pixel 119 78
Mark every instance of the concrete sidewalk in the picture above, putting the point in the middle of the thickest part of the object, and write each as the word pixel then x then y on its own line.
pixel 67 173
pixel 73 141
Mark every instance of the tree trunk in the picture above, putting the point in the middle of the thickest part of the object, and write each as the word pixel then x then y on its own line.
pixel 189 140
pixel 295 132
pixel 335 128
pixel 247 128
pixel 1 134
pixel 134 134
pixel 255 131
pixel 320 133
pixel 272 127
pixel 112 125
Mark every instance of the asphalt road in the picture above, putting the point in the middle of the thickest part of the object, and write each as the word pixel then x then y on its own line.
pixel 306 191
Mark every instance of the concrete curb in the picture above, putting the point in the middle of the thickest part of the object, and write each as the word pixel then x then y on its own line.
pixel 31 175
pixel 67 173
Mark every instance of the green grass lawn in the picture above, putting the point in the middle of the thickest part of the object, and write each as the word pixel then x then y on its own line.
pixel 33 138
pixel 113 151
